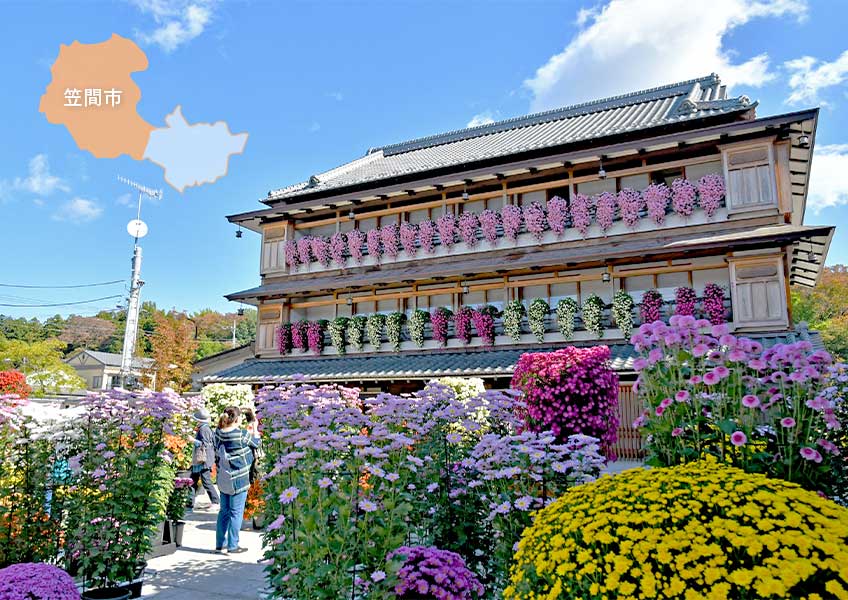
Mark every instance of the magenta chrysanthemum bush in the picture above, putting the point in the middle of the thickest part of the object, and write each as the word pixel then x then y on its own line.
pixel 426 231
pixel 468 224
pixel 408 233
pixel 337 248
pixel 439 320
pixel 713 303
pixel 462 324
pixel 709 393
pixel 36 581
pixel 657 196
pixel 630 205
pixel 292 259
pixel 489 221
pixel 572 391
pixel 391 242
pixel 315 336
pixel 433 573
pixel 581 213
pixel 304 250
pixel 372 242
pixel 355 240
pixel 298 335
pixel 557 214
pixel 320 250
pixel 534 220
pixel 446 224
pixel 284 338
pixel 512 219
pixel 605 210
pixel 683 195
pixel 711 192
pixel 650 309
pixel 484 324
pixel 685 298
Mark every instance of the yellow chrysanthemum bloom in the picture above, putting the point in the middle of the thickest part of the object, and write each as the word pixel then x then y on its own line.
pixel 700 530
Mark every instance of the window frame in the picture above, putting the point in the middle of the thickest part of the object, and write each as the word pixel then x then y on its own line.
pixel 726 151
pixel 771 261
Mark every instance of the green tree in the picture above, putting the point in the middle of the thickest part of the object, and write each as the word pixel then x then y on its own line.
pixel 42 364
pixel 825 308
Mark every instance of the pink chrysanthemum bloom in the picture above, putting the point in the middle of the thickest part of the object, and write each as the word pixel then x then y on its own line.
pixel 810 454
pixel 750 401
pixel 787 422
pixel 677 432
pixel 738 438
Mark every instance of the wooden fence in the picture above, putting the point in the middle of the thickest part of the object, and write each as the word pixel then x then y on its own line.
pixel 630 444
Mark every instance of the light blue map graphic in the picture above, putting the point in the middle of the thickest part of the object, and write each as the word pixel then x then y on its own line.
pixel 192 154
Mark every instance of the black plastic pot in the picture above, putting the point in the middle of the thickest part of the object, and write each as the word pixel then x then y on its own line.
pixel 258 522
pixel 177 528
pixel 110 593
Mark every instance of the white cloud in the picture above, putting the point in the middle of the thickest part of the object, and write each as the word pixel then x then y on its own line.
pixel 631 44
pixel 178 21
pixel 315 126
pixel 126 200
pixel 78 210
pixel 828 185
pixel 337 96
pixel 39 180
pixel 809 76
pixel 483 118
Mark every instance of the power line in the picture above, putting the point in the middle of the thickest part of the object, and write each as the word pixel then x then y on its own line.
pixel 62 303
pixel 62 287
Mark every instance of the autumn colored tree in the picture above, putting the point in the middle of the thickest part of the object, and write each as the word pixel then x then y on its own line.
pixel 173 346
pixel 825 308
pixel 87 332
pixel 14 382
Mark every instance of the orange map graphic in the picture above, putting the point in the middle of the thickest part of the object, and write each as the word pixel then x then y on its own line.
pixel 107 131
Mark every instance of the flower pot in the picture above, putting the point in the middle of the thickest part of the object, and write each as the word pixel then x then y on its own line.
pixel 110 593
pixel 183 474
pixel 259 522
pixel 177 528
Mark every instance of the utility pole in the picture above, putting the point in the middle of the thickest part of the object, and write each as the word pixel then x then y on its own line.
pixel 234 334
pixel 137 229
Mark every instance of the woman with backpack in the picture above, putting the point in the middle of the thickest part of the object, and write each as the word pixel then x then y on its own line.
pixel 233 455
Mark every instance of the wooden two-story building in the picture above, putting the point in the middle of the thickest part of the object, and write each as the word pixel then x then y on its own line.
pixel 674 187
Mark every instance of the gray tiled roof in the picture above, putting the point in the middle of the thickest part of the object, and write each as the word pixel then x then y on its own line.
pixel 434 363
pixel 114 360
pixel 679 102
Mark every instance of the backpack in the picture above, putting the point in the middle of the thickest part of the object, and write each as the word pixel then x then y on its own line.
pixel 225 479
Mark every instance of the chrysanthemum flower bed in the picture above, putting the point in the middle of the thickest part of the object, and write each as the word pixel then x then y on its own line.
pixel 352 479
pixel 700 530
pixel 765 410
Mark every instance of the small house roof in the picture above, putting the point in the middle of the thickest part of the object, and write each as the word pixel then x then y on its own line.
pixel 114 360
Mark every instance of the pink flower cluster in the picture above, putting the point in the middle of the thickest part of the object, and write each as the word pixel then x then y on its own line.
pixel 408 232
pixel 512 219
pixel 534 220
pixel 605 204
pixel 657 196
pixel 426 231
pixel 284 338
pixel 713 303
pixel 446 224
pixel 685 298
pixel 489 221
pixel 467 225
pixel 391 242
pixel 484 324
pixel 711 192
pixel 630 206
pixel 683 196
pixel 298 335
pixel 315 336
pixel 650 309
pixel 439 320
pixel 462 324
pixel 581 213
pixel 570 391
pixel 557 214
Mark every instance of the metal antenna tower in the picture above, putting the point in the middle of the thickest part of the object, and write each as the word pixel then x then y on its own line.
pixel 137 229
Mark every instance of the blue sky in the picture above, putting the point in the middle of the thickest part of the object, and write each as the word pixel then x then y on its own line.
pixel 316 84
